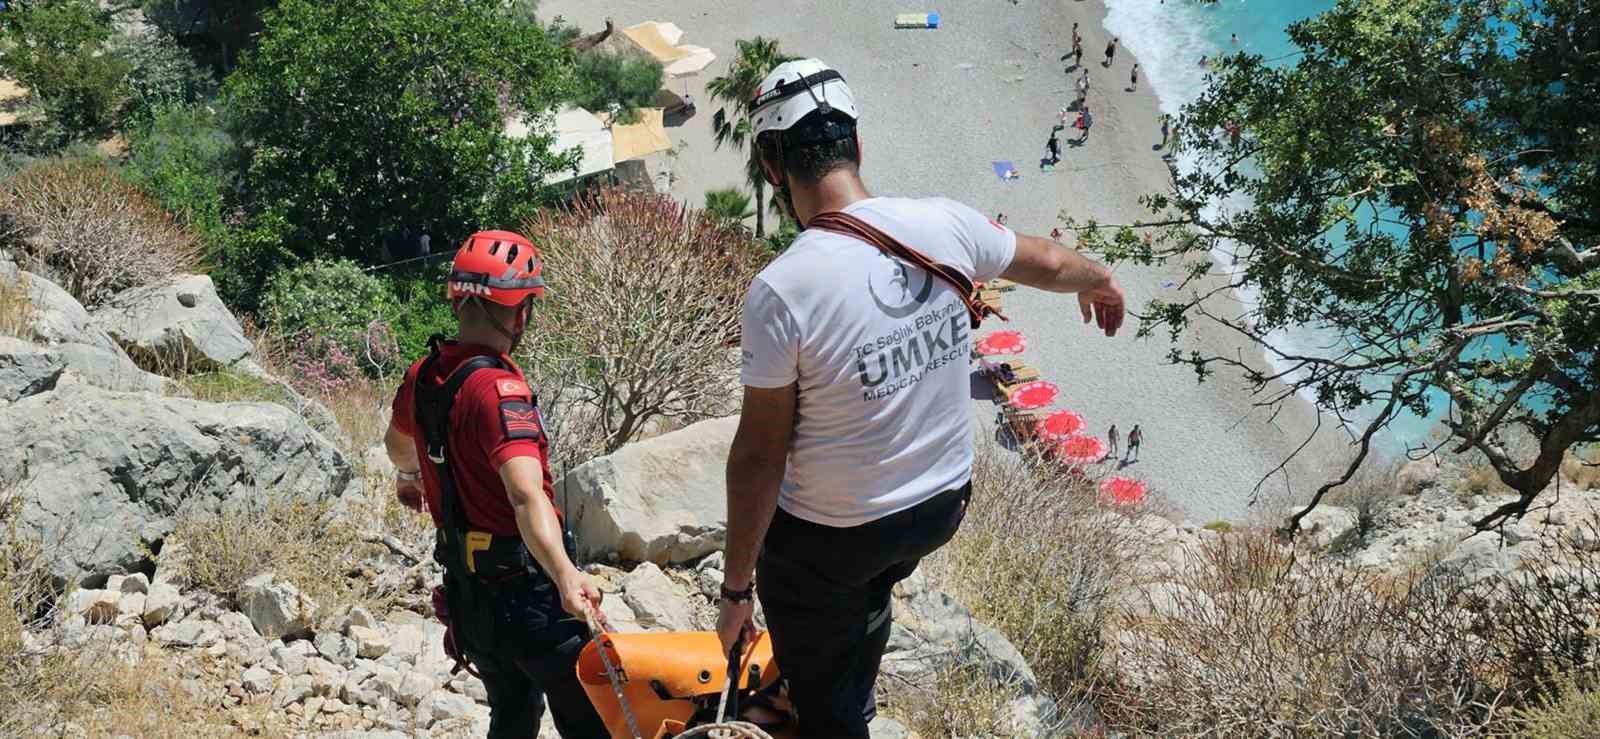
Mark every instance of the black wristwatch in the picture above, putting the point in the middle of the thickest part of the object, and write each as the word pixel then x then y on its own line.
pixel 739 596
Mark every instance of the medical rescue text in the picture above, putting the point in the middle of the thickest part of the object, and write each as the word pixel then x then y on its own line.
pixel 901 358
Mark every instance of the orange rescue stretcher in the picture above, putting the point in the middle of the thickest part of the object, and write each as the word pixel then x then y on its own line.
pixel 671 682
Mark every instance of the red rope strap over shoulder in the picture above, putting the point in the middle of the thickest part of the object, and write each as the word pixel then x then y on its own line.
pixel 849 225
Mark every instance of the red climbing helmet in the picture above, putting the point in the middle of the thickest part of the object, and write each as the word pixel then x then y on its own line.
pixel 500 266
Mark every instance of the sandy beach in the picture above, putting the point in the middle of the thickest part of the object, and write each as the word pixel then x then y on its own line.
pixel 938 107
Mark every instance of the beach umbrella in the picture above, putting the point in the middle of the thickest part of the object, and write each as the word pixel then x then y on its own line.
pixel 1002 342
pixel 1079 449
pixel 1035 394
pixel 1120 490
pixel 1059 425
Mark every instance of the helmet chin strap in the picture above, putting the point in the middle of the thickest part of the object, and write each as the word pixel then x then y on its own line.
pixel 515 335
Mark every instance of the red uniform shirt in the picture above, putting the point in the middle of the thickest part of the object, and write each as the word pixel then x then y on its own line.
pixel 492 422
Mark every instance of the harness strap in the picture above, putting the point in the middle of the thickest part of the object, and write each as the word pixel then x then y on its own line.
pixel 433 406
pixel 843 223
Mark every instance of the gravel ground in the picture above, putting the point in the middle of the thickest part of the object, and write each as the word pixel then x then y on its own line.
pixel 938 106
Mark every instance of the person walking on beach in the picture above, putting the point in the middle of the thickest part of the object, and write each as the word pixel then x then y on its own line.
pixel 1111 53
pixel 1133 78
pixel 1113 437
pixel 1084 121
pixel 847 468
pixel 1135 440
pixel 1166 130
pixel 1052 150
pixel 1083 90
pixel 1076 39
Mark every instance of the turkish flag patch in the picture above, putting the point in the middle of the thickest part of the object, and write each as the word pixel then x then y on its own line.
pixel 511 388
pixel 520 420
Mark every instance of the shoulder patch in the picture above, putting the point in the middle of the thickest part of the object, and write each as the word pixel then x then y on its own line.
pixel 519 419
pixel 512 388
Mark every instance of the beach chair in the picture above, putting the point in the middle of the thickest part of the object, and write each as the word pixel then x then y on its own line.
pixel 990 296
pixel 1000 284
pixel 1022 425
pixel 1020 374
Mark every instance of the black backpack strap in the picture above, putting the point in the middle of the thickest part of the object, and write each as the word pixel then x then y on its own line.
pixel 433 405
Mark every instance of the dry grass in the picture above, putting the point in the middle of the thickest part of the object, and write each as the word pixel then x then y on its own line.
pixel 1038 560
pixel 1581 466
pixel 16 310
pixel 1260 642
pixel 1371 489
pixel 26 600
pixel 1481 479
pixel 75 220
pixel 962 702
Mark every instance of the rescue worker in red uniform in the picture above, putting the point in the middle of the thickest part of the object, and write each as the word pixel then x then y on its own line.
pixel 467 441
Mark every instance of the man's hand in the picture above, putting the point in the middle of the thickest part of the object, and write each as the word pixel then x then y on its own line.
pixel 735 619
pixel 1103 305
pixel 410 493
pixel 579 594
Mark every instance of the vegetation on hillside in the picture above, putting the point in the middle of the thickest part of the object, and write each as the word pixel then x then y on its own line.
pixel 1418 187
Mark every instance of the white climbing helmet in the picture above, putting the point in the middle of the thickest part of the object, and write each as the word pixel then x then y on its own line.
pixel 794 90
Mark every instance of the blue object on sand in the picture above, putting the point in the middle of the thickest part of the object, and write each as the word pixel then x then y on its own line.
pixel 933 20
pixel 916 20
pixel 1001 168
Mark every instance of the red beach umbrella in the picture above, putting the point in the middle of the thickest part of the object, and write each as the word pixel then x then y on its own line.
pixel 1121 491
pixel 1059 425
pixel 1002 342
pixel 1035 394
pixel 1079 449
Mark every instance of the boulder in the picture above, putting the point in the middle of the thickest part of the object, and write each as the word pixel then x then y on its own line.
pixel 180 324
pixel 256 680
pixel 656 601
pixel 884 727
pixel 277 608
pixel 96 606
pixel 104 473
pixel 934 632
pixel 661 500
pixel 27 368
pixel 441 705
pixel 1327 527
pixel 370 643
pixel 138 582
pixel 187 634
pixel 340 650
pixel 61 323
pixel 1418 475
pixel 160 603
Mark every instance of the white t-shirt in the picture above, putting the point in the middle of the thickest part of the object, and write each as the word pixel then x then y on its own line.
pixel 881 352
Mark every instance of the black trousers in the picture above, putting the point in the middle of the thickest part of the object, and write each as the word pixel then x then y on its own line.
pixel 826 594
pixel 525 648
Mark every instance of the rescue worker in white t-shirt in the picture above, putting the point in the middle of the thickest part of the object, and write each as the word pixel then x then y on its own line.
pixel 853 457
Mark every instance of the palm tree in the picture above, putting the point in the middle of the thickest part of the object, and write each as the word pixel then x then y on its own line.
pixel 728 205
pixel 731 124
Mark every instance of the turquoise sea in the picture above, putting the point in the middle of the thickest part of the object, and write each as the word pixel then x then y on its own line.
pixel 1170 36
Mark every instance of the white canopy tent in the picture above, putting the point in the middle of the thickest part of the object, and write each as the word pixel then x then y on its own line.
pixel 575 128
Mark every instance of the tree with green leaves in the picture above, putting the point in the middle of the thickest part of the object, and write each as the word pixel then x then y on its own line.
pixel 364 119
pixel 731 123
pixel 222 28
pixel 1420 187
pixel 617 83
pixel 58 50
pixel 729 205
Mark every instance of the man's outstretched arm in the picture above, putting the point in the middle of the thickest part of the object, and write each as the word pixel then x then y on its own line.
pixel 1047 265
pixel 755 470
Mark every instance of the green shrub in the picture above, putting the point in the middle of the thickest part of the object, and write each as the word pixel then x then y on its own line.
pixel 247 256
pixel 161 74
pixel 57 49
pixel 422 309
pixel 329 299
pixel 616 82
pixel 1570 714
pixel 1221 527
pixel 181 158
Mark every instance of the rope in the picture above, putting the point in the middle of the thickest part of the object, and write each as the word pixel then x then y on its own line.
pixel 727 730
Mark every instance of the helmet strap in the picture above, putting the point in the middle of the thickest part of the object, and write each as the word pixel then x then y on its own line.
pixel 515 334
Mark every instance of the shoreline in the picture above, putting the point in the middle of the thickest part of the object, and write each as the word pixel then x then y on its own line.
pixel 938 106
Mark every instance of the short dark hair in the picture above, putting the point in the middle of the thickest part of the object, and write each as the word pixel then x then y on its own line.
pixel 810 162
